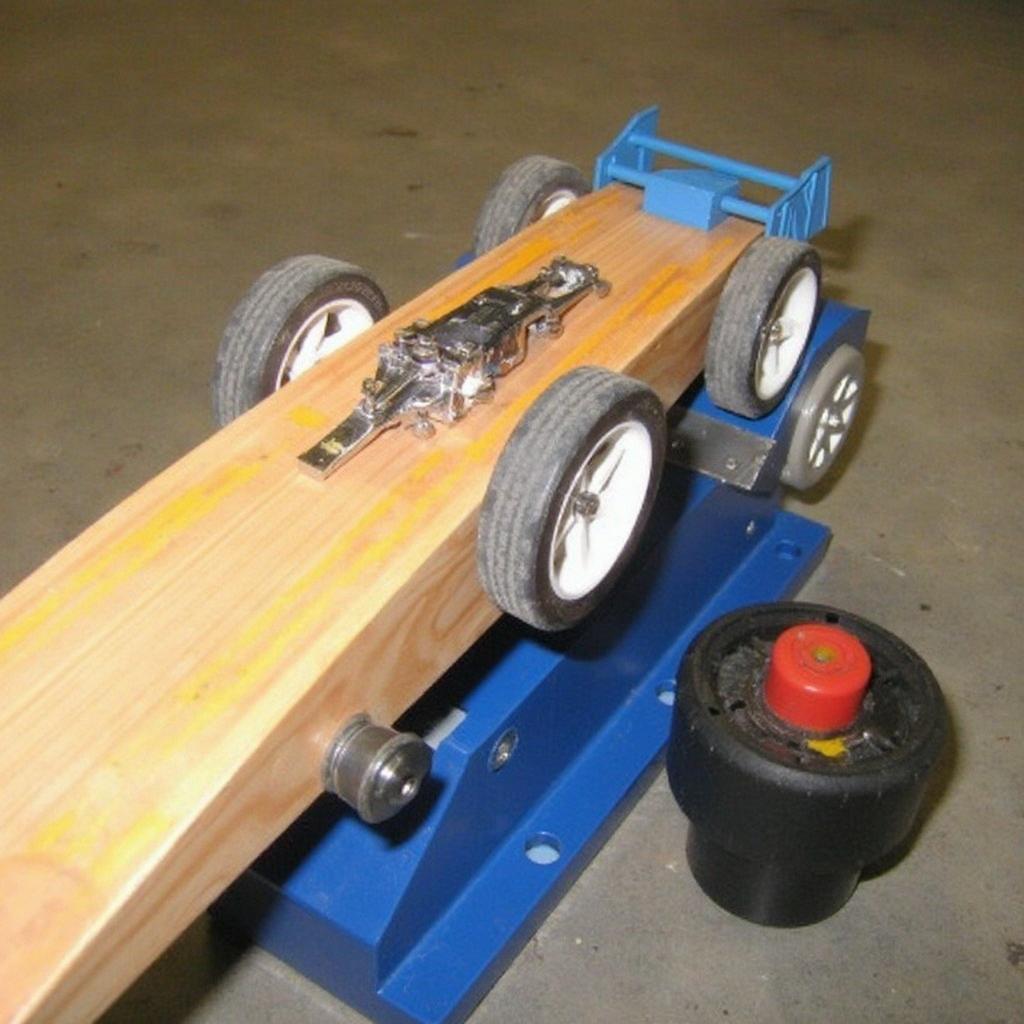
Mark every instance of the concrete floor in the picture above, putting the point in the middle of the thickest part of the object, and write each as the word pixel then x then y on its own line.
pixel 157 157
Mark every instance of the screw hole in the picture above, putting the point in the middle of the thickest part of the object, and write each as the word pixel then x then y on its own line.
pixel 712 710
pixel 543 848
pixel 831 617
pixel 737 705
pixel 788 551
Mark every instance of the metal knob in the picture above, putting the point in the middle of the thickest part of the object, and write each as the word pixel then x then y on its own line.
pixel 374 769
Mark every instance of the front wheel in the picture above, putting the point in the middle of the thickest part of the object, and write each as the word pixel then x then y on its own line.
pixel 297 313
pixel 569 497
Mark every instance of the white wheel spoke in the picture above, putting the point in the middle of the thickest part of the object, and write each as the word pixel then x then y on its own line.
pixel 603 474
pixel 575 546
pixel 314 340
pixel 308 349
pixel 603 531
pixel 316 332
pixel 599 511
pixel 562 531
pixel 615 503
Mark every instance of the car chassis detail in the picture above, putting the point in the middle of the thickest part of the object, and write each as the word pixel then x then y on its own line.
pixel 438 370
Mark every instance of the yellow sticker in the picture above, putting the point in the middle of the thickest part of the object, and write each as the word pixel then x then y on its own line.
pixel 307 416
pixel 830 748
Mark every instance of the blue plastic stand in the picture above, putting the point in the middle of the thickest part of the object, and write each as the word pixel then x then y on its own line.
pixel 556 736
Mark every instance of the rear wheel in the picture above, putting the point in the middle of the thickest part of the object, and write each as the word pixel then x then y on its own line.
pixel 569 497
pixel 762 325
pixel 529 190
pixel 297 313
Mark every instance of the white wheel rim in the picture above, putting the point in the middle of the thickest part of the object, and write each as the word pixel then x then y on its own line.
pixel 786 330
pixel 599 512
pixel 557 201
pixel 326 330
pixel 827 410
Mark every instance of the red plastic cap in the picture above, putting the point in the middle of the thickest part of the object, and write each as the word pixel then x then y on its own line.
pixel 817 677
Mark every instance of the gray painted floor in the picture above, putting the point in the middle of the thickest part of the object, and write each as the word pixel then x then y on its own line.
pixel 157 157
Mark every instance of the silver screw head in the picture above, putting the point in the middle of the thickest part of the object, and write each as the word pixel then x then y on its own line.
pixel 586 504
pixel 503 749
pixel 423 428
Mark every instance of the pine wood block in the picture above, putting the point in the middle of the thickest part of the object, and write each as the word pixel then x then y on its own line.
pixel 170 680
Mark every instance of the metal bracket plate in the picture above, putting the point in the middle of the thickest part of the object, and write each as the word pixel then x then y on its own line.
pixel 721 450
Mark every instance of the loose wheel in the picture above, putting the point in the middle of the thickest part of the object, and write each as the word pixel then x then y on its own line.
pixel 762 325
pixel 298 312
pixel 529 190
pixel 802 741
pixel 825 409
pixel 569 497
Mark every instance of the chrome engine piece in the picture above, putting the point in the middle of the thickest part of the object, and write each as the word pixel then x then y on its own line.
pixel 438 370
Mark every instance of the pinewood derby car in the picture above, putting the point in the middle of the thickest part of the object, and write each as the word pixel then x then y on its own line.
pixel 183 679
pixel 309 307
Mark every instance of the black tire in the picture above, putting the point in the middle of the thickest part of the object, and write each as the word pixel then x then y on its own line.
pixel 262 335
pixel 772 275
pixel 526 192
pixel 610 424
